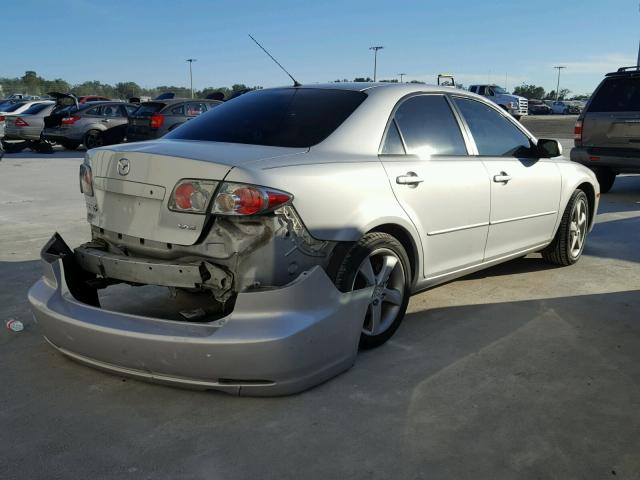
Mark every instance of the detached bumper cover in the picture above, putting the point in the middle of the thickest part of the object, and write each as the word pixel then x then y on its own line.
pixel 275 342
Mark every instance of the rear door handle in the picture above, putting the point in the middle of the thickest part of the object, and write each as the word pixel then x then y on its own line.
pixel 502 177
pixel 409 179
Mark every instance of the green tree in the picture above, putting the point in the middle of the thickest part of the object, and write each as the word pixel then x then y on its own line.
pixel 529 91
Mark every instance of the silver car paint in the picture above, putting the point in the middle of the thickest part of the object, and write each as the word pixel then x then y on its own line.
pixel 342 188
pixel 33 131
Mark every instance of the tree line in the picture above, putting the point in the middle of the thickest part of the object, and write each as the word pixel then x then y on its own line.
pixel 33 84
pixel 534 91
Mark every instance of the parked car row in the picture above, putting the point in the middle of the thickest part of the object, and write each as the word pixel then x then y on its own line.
pixel 92 121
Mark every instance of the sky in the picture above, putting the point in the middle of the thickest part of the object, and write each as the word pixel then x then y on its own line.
pixel 477 41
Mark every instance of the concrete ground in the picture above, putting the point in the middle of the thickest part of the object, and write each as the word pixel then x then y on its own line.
pixel 522 371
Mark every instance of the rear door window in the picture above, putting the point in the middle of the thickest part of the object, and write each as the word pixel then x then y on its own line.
pixel 93 111
pixel 494 135
pixel 429 127
pixel 392 144
pixel 111 111
pixel 195 108
pixel 130 109
pixel 617 94
pixel 179 110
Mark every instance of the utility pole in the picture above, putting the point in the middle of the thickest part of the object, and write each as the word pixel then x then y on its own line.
pixel 401 76
pixel 375 60
pixel 191 60
pixel 559 67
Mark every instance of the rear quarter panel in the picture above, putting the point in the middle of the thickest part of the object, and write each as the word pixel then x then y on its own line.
pixel 573 175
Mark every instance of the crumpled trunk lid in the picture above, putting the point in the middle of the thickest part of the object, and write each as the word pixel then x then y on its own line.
pixel 133 183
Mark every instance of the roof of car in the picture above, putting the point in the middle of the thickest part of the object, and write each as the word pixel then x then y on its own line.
pixel 633 70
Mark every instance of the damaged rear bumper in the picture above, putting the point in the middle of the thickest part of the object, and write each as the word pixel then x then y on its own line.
pixel 275 342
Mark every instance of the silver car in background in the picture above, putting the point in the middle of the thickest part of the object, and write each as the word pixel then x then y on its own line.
pixel 14 108
pixel 28 125
pixel 306 217
pixel 93 124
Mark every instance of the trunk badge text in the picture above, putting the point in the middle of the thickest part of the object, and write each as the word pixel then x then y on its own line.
pixel 123 166
pixel 182 226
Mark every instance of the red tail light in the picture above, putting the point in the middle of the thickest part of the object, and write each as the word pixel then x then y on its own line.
pixel 156 120
pixel 238 199
pixel 577 133
pixel 192 196
pixel 70 120
pixel 21 123
pixel 1 118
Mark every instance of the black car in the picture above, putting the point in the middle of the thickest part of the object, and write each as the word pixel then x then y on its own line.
pixel 155 118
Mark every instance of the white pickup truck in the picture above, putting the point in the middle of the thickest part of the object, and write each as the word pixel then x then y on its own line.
pixel 515 105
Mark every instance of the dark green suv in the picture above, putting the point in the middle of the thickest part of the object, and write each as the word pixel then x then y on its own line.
pixel 607 133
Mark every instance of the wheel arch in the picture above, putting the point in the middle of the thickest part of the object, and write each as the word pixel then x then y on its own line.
pixel 588 189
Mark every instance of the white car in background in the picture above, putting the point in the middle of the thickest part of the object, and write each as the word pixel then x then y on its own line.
pixel 305 216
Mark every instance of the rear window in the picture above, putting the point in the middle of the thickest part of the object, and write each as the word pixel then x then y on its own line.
pixel 37 108
pixel 617 94
pixel 14 107
pixel 284 117
pixel 149 108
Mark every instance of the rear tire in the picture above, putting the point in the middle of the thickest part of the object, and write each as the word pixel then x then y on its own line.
pixel 14 147
pixel 606 177
pixel 93 139
pixel 568 244
pixel 378 260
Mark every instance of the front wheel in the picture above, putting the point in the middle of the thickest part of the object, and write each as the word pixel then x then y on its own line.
pixel 93 139
pixel 568 244
pixel 380 261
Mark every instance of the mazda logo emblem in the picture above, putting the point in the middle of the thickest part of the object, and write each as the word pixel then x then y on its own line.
pixel 123 166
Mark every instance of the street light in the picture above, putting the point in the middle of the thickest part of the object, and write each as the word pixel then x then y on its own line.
pixel 375 59
pixel 559 67
pixel 191 60
pixel 401 75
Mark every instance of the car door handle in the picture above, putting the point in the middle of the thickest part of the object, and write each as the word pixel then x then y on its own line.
pixel 502 177
pixel 409 179
pixel 106 120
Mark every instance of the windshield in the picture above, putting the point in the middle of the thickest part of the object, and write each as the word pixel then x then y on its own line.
pixel 283 117
pixel 500 90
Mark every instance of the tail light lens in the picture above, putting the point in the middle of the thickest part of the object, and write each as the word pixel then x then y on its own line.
pixel 577 133
pixel 156 120
pixel 86 180
pixel 70 120
pixel 1 118
pixel 192 196
pixel 20 123
pixel 241 199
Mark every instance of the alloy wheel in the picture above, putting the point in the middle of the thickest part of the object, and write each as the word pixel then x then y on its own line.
pixel 383 270
pixel 578 228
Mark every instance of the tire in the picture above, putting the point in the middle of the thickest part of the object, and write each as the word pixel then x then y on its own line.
pixel 70 145
pixel 14 147
pixel 93 139
pixel 362 265
pixel 568 244
pixel 42 146
pixel 606 177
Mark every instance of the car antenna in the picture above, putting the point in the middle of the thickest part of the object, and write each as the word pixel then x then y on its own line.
pixel 295 82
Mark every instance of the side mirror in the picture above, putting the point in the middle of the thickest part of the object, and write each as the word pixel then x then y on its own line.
pixel 549 148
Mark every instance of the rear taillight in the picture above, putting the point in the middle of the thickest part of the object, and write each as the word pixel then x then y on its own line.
pixel 577 133
pixel 156 120
pixel 1 118
pixel 86 180
pixel 20 123
pixel 192 196
pixel 70 120
pixel 240 199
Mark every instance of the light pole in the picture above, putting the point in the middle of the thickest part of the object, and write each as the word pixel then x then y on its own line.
pixel 375 59
pixel 401 76
pixel 559 67
pixel 191 60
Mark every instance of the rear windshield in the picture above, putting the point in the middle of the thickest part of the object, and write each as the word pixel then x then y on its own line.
pixel 149 108
pixel 284 117
pixel 617 94
pixel 37 108
pixel 14 107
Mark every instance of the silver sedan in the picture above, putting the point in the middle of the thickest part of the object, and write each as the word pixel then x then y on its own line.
pixel 308 215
